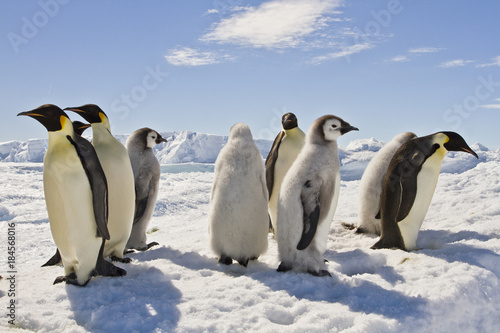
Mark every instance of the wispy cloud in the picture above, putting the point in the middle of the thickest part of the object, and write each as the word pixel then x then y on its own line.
pixel 455 63
pixel 420 50
pixel 494 62
pixel 274 24
pixel 185 56
pixel 399 58
pixel 344 52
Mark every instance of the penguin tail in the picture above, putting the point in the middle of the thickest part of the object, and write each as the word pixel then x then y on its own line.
pixel 55 260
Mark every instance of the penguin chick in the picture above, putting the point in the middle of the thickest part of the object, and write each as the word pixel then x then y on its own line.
pixel 409 185
pixel 286 146
pixel 116 164
pixel 238 219
pixel 147 171
pixel 308 199
pixel 75 191
pixel 370 186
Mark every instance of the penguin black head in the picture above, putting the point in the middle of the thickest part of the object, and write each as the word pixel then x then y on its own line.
pixel 329 128
pixel 289 121
pixel 79 127
pixel 456 143
pixel 49 115
pixel 90 112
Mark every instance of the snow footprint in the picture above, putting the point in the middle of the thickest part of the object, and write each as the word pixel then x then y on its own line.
pixel 280 317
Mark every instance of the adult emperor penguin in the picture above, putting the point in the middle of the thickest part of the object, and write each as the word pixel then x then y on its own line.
pixel 116 164
pixel 286 146
pixel 308 198
pixel 79 127
pixel 409 184
pixel 238 218
pixel 370 186
pixel 147 177
pixel 76 197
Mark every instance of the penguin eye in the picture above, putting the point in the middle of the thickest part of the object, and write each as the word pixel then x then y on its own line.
pixel 334 126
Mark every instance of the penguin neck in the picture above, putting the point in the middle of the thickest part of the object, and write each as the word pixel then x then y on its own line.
pixel 294 133
pixel 100 132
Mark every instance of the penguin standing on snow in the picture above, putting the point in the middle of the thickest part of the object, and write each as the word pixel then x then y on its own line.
pixel 238 218
pixel 370 186
pixel 286 146
pixel 308 199
pixel 409 184
pixel 76 197
pixel 116 164
pixel 146 170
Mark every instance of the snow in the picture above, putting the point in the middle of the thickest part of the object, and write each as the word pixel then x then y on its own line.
pixel 450 284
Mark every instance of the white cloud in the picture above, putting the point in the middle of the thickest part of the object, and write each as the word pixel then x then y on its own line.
pixel 455 63
pixel 491 106
pixel 212 11
pixel 344 52
pixel 495 62
pixel 399 58
pixel 275 24
pixel 186 56
pixel 425 50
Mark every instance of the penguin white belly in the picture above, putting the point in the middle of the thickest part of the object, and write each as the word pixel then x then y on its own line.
pixel 69 205
pixel 289 148
pixel 426 184
pixel 121 195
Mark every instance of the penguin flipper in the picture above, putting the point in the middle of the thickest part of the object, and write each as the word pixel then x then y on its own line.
pixel 310 203
pixel 97 180
pixel 271 162
pixel 140 208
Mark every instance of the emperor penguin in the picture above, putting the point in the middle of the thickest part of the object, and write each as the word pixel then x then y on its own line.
pixel 370 186
pixel 118 169
pixel 238 218
pixel 146 170
pixel 286 146
pixel 76 196
pixel 409 185
pixel 308 199
pixel 79 127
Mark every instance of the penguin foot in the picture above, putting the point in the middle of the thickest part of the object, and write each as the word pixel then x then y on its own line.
pixel 243 262
pixel 348 226
pixel 321 273
pixel 105 268
pixel 225 260
pixel 59 279
pixel 55 260
pixel 70 279
pixel 122 260
pixel 284 267
pixel 150 245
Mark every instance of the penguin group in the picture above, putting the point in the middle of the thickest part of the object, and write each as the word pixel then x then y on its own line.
pixel 100 195
pixel 90 192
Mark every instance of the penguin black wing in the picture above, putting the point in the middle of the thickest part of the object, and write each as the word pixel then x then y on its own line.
pixel 97 180
pixel 310 197
pixel 271 162
pixel 400 184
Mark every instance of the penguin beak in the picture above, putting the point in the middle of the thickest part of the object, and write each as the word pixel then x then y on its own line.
pixel 457 143
pixel 346 129
pixel 470 151
pixel 158 141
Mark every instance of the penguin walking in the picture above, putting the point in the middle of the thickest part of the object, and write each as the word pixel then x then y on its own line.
pixel 238 218
pixel 116 165
pixel 370 186
pixel 308 199
pixel 146 170
pixel 286 146
pixel 76 197
pixel 409 185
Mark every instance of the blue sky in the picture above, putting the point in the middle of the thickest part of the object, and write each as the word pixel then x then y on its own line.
pixel 384 66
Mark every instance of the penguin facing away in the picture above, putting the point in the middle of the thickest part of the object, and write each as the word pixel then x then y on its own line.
pixel 286 146
pixel 308 199
pixel 238 218
pixel 116 165
pixel 75 190
pixel 409 185
pixel 370 186
pixel 146 170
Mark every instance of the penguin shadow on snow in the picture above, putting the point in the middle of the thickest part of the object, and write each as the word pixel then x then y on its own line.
pixel 359 295
pixel 447 246
pixel 142 301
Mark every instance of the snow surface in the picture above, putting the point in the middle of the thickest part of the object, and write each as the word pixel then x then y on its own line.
pixel 450 284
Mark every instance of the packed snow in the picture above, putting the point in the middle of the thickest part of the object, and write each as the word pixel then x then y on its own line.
pixel 450 284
